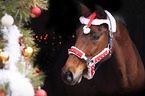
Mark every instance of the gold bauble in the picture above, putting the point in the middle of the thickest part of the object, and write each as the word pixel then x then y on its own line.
pixel 28 51
pixel 4 56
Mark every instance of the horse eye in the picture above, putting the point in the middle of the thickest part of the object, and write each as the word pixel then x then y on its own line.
pixel 96 36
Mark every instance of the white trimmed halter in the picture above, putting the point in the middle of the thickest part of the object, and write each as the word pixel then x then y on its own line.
pixel 80 54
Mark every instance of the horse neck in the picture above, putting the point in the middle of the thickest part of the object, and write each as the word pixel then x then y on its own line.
pixel 126 56
pixel 124 48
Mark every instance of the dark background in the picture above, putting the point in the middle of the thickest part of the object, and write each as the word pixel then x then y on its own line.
pixel 60 22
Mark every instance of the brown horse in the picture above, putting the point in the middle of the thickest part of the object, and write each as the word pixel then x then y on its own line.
pixel 121 70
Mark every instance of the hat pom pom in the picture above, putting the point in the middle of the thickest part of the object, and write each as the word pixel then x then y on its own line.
pixel 86 30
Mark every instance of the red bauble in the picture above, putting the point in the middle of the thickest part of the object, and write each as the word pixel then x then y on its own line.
pixel 40 92
pixel 35 12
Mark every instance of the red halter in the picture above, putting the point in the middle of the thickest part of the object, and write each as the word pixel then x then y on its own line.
pixel 90 62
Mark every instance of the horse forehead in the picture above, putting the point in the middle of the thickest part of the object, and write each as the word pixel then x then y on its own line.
pixel 95 28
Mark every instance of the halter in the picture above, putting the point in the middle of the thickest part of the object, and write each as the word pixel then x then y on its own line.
pixel 80 54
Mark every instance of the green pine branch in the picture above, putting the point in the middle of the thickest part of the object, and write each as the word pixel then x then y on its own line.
pixel 20 10
pixel 29 41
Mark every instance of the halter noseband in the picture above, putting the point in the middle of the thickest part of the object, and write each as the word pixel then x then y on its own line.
pixel 80 54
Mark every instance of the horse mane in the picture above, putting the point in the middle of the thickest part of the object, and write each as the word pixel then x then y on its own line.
pixel 119 18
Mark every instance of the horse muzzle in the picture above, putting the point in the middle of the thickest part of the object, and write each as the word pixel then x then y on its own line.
pixel 69 78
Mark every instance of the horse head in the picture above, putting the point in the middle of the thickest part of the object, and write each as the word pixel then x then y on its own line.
pixel 93 45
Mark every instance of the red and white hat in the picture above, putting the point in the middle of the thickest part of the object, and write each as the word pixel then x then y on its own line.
pixel 93 20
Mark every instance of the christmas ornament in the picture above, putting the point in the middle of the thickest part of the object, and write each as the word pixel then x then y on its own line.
pixel 4 56
pixel 7 20
pixel 35 12
pixel 2 92
pixel 40 92
pixel 28 51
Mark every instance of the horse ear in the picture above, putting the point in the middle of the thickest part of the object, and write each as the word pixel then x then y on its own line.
pixel 100 12
pixel 84 10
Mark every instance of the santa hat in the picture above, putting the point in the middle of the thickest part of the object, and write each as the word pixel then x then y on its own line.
pixel 93 20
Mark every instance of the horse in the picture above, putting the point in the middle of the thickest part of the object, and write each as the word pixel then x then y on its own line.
pixel 104 59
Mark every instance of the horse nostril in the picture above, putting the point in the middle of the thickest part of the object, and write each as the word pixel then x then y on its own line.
pixel 67 77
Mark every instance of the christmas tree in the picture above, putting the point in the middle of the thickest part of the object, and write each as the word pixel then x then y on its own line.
pixel 18 75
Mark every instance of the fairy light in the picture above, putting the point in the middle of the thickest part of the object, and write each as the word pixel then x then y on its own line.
pixel 41 37
pixel 73 36
pixel 52 43
pixel 46 35
pixel 59 36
